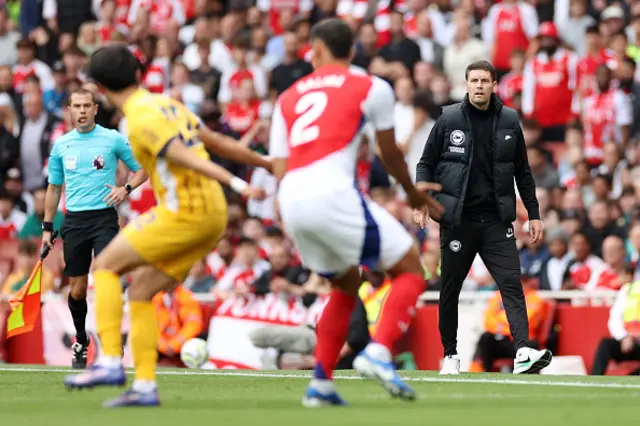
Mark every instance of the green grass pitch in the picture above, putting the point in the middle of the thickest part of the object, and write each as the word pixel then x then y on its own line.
pixel 35 396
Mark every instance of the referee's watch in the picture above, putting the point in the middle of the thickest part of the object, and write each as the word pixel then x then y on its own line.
pixel 128 187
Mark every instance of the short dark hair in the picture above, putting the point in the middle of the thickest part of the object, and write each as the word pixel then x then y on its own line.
pixel 482 66
pixel 114 67
pixel 81 91
pixel 27 248
pixel 518 53
pixel 241 42
pixel 336 35
pixel 4 195
pixel 606 177
pixel 530 123
pixel 246 241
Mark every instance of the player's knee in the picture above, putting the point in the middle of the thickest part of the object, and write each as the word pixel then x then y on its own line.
pixel 349 282
pixel 409 264
pixel 101 263
pixel 139 292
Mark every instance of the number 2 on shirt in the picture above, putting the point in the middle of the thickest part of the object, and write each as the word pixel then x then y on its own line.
pixel 309 107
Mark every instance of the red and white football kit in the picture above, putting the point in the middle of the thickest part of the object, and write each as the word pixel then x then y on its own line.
pixel 508 27
pixel 603 116
pixel 317 125
pixel 548 87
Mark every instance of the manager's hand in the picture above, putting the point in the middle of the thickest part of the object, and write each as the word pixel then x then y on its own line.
pixel 536 230
pixel 425 206
pixel 117 195
pixel 421 217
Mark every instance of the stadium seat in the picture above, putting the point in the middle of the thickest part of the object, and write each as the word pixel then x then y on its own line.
pixel 208 309
pixel 623 368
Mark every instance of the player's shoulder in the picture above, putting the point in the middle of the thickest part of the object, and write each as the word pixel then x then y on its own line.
pixel 146 111
pixel 66 138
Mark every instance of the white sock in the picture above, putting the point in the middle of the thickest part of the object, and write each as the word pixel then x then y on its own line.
pixel 110 361
pixel 379 352
pixel 323 386
pixel 144 386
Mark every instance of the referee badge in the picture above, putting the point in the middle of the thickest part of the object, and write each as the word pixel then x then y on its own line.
pixel 70 163
pixel 98 162
pixel 455 246
pixel 457 137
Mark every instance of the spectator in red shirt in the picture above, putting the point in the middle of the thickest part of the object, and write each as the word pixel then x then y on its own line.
pixel 11 219
pixel 232 78
pixel 244 109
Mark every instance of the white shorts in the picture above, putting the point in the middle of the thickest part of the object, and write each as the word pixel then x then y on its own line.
pixel 336 232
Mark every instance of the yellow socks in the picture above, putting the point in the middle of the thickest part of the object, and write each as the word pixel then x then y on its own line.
pixel 144 339
pixel 109 312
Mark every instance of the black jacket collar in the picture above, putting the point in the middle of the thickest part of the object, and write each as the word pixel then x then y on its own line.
pixel 495 101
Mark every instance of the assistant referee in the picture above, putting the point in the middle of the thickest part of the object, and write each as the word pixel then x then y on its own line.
pixel 475 151
pixel 86 161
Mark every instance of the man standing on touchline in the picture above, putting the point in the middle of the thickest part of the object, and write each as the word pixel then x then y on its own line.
pixel 86 160
pixel 475 150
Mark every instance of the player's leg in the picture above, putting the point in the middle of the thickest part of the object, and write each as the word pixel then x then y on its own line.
pixel 144 337
pixel 329 246
pixel 395 252
pixel 119 257
pixel 331 333
pixel 77 257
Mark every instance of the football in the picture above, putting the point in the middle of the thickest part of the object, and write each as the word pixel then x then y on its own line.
pixel 194 353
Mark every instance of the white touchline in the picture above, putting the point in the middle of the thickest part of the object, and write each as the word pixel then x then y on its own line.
pixel 296 375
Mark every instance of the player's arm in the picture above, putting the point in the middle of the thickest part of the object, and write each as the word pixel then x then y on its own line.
pixel 177 153
pixel 377 106
pixel 231 149
pixel 278 143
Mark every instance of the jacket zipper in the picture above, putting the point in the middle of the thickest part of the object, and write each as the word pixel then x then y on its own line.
pixel 494 138
pixel 458 213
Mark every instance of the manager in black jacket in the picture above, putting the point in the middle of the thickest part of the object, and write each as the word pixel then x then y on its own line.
pixel 475 150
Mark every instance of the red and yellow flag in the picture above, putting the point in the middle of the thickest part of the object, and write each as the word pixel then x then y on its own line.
pixel 25 305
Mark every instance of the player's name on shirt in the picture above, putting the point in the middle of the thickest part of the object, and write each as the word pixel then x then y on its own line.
pixel 314 83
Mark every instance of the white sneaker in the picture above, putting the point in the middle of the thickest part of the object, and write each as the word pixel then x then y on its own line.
pixel 529 360
pixel 451 365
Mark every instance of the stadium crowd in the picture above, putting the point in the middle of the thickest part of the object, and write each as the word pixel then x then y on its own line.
pixel 568 66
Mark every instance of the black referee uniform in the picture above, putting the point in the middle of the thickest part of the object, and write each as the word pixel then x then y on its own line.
pixel 475 155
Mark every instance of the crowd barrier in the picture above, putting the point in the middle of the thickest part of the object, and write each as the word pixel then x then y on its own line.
pixel 580 323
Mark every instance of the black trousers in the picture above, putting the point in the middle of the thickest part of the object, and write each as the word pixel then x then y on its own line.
pixel 85 234
pixel 496 244
pixel 610 349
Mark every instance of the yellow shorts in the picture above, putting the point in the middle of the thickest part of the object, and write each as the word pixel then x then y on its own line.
pixel 172 242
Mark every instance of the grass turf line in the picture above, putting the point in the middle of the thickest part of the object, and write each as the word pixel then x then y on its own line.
pixel 226 398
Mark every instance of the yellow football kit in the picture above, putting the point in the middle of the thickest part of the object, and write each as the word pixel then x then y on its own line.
pixel 191 214
pixel 183 228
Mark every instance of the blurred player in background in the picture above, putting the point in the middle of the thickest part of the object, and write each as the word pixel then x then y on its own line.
pixel 167 240
pixel 315 135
